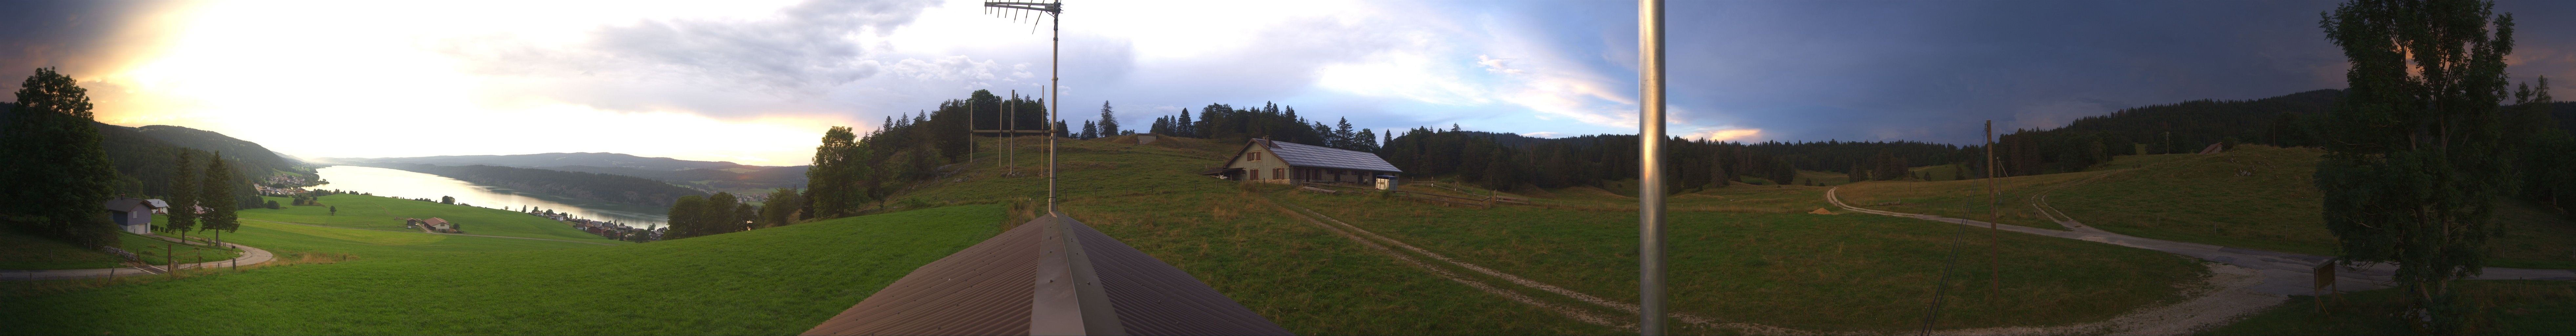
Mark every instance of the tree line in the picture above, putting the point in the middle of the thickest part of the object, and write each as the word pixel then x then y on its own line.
pixel 62 170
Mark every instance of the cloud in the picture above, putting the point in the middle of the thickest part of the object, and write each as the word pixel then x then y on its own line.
pixel 796 52
pixel 1737 135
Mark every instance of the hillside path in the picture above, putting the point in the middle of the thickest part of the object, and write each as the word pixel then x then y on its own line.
pixel 2283 273
pixel 249 256
pixel 426 232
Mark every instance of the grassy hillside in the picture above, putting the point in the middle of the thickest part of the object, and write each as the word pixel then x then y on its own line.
pixel 1773 264
pixel 386 213
pixel 1964 198
pixel 1755 244
pixel 771 281
pixel 1298 275
pixel 2265 198
pixel 2507 307
pixel 25 252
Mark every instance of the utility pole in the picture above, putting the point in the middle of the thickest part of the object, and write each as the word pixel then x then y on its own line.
pixel 1994 213
pixel 1650 175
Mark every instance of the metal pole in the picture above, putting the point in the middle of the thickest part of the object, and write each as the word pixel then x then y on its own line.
pixel 1994 213
pixel 1650 171
pixel 1055 58
pixel 1011 151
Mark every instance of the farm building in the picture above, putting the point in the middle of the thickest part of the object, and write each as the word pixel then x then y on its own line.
pixel 1284 162
pixel 433 224
pixel 131 214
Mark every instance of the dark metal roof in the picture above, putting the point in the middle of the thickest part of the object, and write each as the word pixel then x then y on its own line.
pixel 1302 155
pixel 1052 275
pixel 121 204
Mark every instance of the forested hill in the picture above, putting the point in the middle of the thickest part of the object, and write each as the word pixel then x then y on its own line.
pixel 236 149
pixel 737 180
pixel 577 185
pixel 614 160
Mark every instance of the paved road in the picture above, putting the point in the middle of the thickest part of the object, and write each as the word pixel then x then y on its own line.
pixel 249 256
pixel 2284 273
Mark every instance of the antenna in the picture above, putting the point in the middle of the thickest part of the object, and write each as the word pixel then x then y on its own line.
pixel 1054 67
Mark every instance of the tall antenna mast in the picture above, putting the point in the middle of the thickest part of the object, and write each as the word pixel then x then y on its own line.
pixel 1055 57
pixel 1650 175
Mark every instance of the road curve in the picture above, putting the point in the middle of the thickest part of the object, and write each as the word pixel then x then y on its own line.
pixel 249 256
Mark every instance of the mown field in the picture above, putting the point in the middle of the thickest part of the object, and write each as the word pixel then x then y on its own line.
pixel 2265 198
pixel 1298 275
pixel 1778 266
pixel 2496 307
pixel 25 252
pixel 771 281
pixel 386 213
pixel 1964 198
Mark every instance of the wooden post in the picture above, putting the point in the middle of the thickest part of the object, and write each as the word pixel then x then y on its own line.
pixel 2324 275
pixel 1994 213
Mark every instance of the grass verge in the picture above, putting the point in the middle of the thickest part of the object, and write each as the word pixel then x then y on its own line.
pixel 2496 307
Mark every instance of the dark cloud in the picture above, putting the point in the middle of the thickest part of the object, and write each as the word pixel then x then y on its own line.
pixel 79 37
pixel 1934 70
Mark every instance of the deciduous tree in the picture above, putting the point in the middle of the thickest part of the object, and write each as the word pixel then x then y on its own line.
pixel 2414 160
pixel 57 174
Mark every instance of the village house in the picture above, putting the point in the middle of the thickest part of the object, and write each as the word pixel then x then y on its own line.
pixel 433 224
pixel 131 214
pixel 1287 163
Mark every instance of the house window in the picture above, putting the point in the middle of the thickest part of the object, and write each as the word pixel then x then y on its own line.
pixel 1256 156
pixel 1279 173
pixel 1256 174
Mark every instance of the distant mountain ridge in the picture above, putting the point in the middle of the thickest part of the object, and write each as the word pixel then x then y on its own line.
pixel 708 176
pixel 544 160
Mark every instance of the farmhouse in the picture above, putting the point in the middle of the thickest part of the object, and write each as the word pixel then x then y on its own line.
pixel 433 224
pixel 131 214
pixel 1282 162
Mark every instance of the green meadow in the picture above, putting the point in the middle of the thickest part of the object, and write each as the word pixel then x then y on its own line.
pixel 1779 266
pixel 770 281
pixel 387 213
pixel 25 252
pixel 2265 198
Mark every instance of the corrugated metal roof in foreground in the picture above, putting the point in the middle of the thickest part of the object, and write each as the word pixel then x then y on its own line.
pixel 1303 155
pixel 981 290
pixel 990 289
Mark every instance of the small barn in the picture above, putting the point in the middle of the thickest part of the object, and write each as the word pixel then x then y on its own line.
pixel 437 224
pixel 1284 162
pixel 130 214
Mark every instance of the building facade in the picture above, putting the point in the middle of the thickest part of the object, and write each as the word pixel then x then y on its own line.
pixel 1268 161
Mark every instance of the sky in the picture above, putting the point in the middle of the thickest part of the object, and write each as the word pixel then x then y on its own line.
pixel 757 82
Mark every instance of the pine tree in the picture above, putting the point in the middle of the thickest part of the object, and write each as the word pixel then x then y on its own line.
pixel 183 194
pixel 1089 130
pixel 216 194
pixel 2414 159
pixel 1108 120
pixel 1343 136
pixel 1187 127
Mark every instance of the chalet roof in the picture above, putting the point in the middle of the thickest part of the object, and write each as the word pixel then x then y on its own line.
pixel 122 204
pixel 157 203
pixel 1302 155
pixel 433 221
pixel 1049 276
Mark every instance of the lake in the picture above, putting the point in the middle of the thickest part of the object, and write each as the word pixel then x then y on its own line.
pixel 408 185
